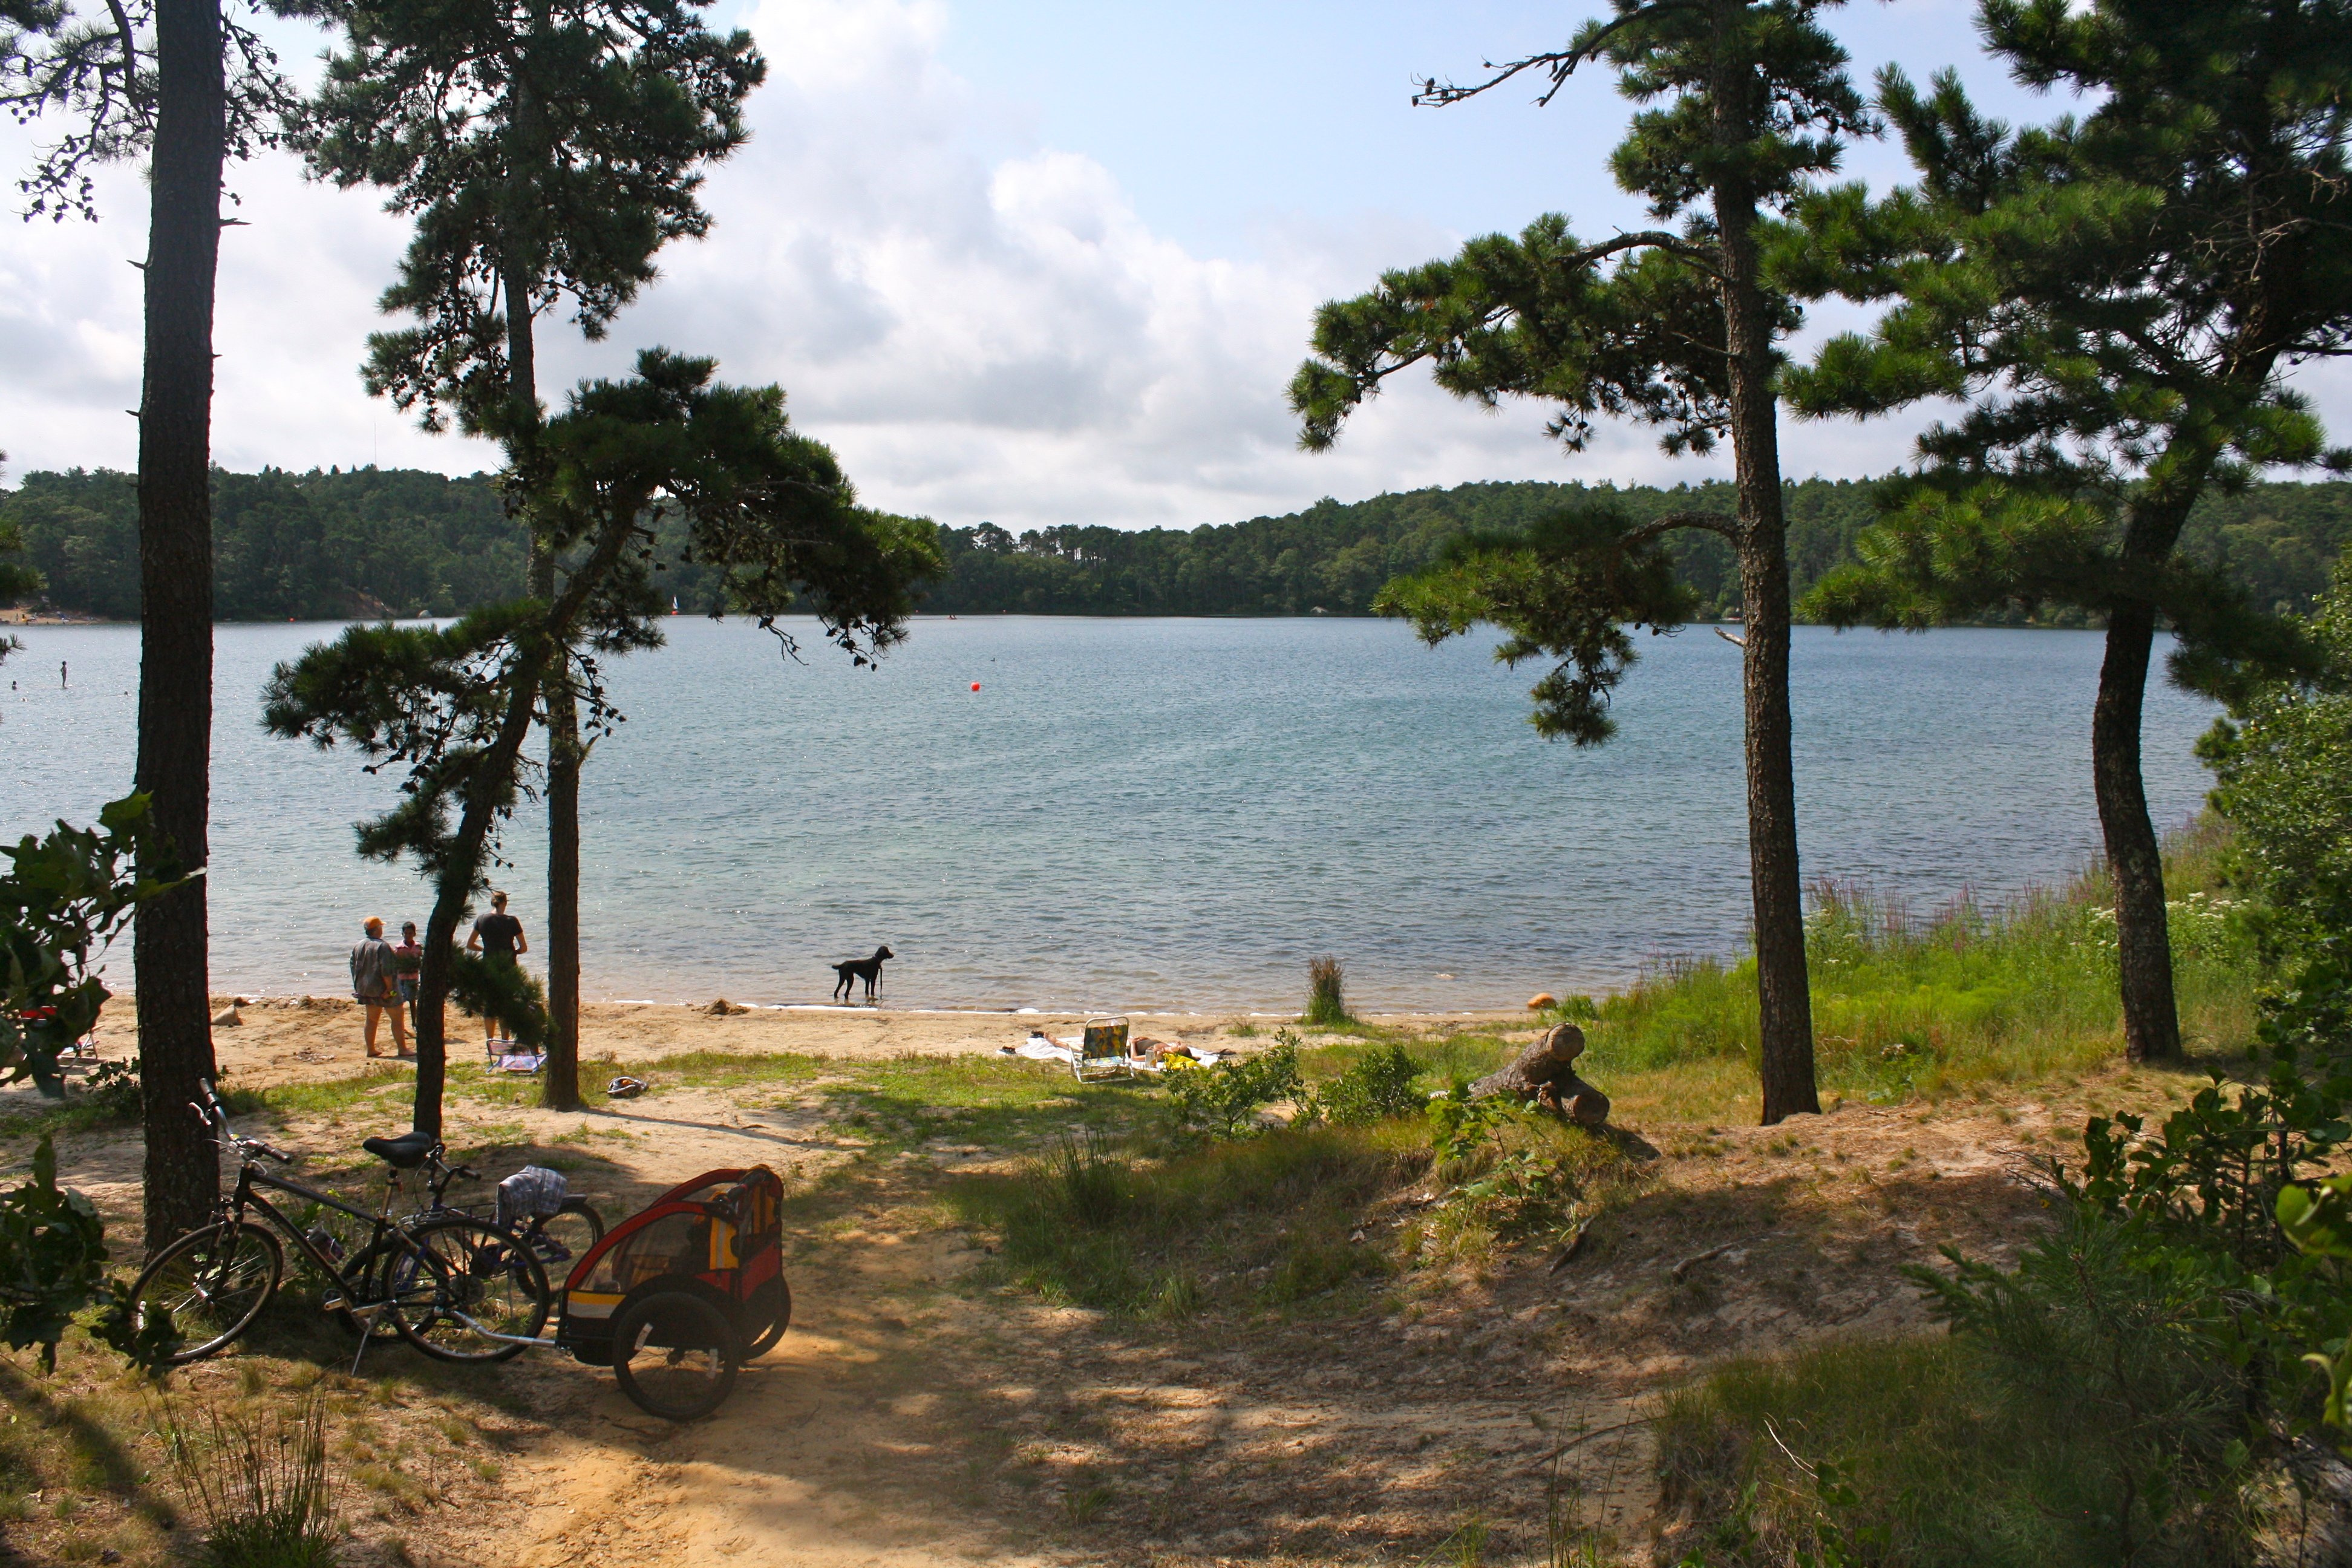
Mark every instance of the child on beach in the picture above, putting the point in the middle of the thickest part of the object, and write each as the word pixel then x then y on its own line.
pixel 408 962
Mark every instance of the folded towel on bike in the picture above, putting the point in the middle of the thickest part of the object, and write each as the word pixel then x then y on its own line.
pixel 527 1194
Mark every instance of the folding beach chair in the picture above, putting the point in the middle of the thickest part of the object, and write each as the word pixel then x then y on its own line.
pixel 1102 1050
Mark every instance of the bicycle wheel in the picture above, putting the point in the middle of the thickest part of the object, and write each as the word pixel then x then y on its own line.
pixel 767 1314
pixel 675 1354
pixel 364 1279
pixel 209 1286
pixel 562 1238
pixel 466 1290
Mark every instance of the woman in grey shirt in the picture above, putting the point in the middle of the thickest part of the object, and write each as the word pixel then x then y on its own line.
pixel 375 985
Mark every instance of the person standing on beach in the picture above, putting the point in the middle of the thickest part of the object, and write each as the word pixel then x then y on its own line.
pixel 373 969
pixel 498 937
pixel 408 962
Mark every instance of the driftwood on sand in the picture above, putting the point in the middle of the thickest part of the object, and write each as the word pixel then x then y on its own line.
pixel 1543 1074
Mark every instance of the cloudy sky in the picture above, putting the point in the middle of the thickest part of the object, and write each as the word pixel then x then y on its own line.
pixel 1033 261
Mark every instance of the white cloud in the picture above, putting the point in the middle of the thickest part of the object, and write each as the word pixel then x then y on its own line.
pixel 983 326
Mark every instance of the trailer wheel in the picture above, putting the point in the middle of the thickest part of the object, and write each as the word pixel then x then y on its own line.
pixel 675 1354
pixel 768 1313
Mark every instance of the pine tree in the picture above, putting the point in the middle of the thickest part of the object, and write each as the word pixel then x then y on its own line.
pixel 2116 297
pixel 1673 328
pixel 454 705
pixel 157 80
pixel 546 151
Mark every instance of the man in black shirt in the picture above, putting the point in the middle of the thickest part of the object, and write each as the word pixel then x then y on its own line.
pixel 498 937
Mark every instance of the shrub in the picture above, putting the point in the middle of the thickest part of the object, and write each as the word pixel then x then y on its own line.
pixel 1377 1086
pixel 261 1483
pixel 1223 1101
pixel 1936 1453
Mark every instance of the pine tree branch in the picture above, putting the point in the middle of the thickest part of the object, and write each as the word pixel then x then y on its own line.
pixel 1658 527
pixel 1560 64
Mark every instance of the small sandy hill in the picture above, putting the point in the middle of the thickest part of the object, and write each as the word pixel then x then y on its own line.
pixel 920 1412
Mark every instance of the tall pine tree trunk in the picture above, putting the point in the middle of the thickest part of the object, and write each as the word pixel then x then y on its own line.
pixel 1784 997
pixel 560 1087
pixel 175 594
pixel 2144 939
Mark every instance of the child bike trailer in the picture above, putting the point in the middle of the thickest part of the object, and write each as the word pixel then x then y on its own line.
pixel 677 1297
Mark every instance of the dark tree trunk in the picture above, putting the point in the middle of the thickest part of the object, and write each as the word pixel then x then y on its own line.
pixel 1784 998
pixel 175 594
pixel 2144 940
pixel 560 1090
pixel 488 792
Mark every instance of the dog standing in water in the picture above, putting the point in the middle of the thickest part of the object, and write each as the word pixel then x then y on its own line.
pixel 869 969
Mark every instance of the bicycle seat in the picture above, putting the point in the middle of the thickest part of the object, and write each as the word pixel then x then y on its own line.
pixel 404 1152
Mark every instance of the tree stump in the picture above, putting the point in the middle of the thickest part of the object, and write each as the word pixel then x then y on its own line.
pixel 1544 1075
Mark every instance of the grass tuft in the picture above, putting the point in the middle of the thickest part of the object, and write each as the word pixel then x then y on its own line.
pixel 1326 1003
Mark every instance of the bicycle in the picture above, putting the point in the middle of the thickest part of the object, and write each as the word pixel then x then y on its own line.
pixel 457 1287
pixel 562 1237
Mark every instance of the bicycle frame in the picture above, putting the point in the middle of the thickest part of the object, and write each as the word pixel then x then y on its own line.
pixel 383 1228
pixel 244 1197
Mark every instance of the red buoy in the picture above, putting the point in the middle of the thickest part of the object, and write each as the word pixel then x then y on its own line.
pixel 975 685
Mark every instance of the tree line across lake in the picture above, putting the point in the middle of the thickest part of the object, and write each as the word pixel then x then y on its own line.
pixel 363 543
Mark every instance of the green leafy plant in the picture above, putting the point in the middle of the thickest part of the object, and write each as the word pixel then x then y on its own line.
pixel 63 899
pixel 1375 1086
pixel 1486 1147
pixel 1223 1101
pixel 53 1267
pixel 2318 1221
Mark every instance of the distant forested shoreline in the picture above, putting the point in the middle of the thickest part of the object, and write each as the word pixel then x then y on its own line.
pixel 364 543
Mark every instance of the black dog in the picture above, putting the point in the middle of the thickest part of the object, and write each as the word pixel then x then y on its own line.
pixel 869 969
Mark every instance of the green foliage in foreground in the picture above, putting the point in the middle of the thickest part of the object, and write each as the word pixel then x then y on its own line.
pixel 1946 1456
pixel 1904 1005
pixel 62 899
pixel 53 1267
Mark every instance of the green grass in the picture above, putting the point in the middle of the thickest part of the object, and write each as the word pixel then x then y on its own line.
pixel 734 1069
pixel 1909 1451
pixel 1265 1220
pixel 333 1096
pixel 992 1101
pixel 1905 1006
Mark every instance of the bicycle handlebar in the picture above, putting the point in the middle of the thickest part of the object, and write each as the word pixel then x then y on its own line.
pixel 212 1113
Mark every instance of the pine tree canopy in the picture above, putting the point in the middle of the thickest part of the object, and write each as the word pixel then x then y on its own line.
pixel 2113 297
pixel 545 152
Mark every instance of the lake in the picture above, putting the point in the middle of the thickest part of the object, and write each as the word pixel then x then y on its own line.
pixel 1164 815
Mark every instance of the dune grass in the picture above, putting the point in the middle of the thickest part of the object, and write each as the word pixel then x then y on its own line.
pixel 1261 1221
pixel 1925 1451
pixel 1908 1005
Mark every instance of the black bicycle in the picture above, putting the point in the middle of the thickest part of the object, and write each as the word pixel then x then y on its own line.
pixel 457 1287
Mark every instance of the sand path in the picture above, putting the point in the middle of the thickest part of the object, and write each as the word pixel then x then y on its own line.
pixel 919 1413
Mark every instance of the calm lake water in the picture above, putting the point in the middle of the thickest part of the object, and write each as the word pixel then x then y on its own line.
pixel 1161 814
